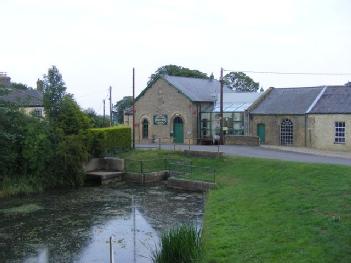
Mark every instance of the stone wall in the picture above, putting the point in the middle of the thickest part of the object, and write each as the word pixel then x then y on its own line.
pixel 241 140
pixel 162 98
pixel 321 131
pixel 272 128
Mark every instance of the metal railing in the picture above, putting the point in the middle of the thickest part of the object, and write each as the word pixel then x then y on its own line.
pixel 181 168
pixel 169 144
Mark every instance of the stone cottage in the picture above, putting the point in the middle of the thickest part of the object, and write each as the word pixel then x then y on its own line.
pixel 316 117
pixel 329 120
pixel 30 101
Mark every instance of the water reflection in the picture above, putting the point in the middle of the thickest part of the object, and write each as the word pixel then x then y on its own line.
pixel 75 226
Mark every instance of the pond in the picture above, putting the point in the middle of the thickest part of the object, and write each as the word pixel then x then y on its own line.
pixel 75 225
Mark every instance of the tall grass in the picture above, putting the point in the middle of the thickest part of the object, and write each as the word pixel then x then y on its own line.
pixel 179 245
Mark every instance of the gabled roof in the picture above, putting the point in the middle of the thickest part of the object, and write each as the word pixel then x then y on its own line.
pixel 335 99
pixel 288 101
pixel 28 98
pixel 195 89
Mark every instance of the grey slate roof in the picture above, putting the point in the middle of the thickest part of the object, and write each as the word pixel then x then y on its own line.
pixel 29 97
pixel 335 99
pixel 200 90
pixel 288 101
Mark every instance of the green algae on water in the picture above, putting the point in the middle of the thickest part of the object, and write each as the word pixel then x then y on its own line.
pixel 23 209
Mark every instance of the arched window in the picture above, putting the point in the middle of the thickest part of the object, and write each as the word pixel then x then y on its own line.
pixel 145 129
pixel 286 132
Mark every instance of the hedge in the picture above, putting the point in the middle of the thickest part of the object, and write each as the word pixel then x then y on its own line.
pixel 108 140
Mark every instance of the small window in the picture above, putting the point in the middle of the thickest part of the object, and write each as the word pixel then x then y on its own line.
pixel 340 132
pixel 38 113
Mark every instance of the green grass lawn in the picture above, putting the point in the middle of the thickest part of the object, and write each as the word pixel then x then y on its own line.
pixel 275 211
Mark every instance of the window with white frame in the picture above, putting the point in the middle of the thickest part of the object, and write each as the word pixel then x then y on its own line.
pixel 340 132
pixel 286 132
pixel 38 113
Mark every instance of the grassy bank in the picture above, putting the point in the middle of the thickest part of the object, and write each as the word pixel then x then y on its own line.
pixel 275 211
pixel 20 186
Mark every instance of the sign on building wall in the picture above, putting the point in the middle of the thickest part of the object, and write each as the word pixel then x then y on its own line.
pixel 161 119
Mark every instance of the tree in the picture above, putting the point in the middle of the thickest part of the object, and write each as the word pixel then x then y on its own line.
pixel 240 82
pixel 97 121
pixel 174 70
pixel 121 105
pixel 54 91
pixel 70 118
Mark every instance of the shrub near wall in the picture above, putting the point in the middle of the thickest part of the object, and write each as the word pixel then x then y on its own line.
pixel 104 140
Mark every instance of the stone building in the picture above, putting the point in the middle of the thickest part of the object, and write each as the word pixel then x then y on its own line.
pixel 280 118
pixel 30 101
pixel 169 109
pixel 186 110
pixel 318 117
pixel 329 120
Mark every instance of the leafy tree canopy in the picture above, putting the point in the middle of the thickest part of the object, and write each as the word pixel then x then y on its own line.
pixel 97 121
pixel 54 90
pixel 70 118
pixel 121 105
pixel 240 82
pixel 174 70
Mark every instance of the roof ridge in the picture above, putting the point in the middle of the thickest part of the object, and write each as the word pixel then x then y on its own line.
pixel 317 99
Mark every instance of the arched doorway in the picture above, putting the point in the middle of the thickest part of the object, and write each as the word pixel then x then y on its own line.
pixel 286 132
pixel 145 131
pixel 178 130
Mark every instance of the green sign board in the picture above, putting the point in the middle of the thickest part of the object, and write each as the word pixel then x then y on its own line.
pixel 161 119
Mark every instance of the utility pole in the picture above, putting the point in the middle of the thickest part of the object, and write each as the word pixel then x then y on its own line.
pixel 110 106
pixel 221 114
pixel 103 120
pixel 133 127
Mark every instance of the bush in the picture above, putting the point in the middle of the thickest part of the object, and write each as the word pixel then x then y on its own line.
pixel 179 245
pixel 105 140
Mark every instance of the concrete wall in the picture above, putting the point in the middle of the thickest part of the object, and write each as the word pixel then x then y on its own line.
pixel 188 185
pixel 162 98
pixel 107 163
pixel 146 178
pixel 272 126
pixel 321 131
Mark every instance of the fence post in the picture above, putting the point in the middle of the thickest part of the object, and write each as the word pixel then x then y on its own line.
pixel 111 251
pixel 165 163
pixel 173 146
pixel 218 150
pixel 189 144
pixel 159 143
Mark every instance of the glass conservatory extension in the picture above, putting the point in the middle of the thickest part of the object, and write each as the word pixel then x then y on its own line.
pixel 234 106
pixel 233 124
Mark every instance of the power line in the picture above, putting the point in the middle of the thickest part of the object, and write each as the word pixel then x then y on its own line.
pixel 291 73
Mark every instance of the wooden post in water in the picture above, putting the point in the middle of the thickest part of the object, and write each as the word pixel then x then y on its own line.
pixel 111 251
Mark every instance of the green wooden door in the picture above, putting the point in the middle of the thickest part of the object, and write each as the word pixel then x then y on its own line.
pixel 261 132
pixel 178 131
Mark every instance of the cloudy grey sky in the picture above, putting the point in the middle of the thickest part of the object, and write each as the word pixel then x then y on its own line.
pixel 96 43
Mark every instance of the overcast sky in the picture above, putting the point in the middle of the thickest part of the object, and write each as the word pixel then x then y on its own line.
pixel 96 43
